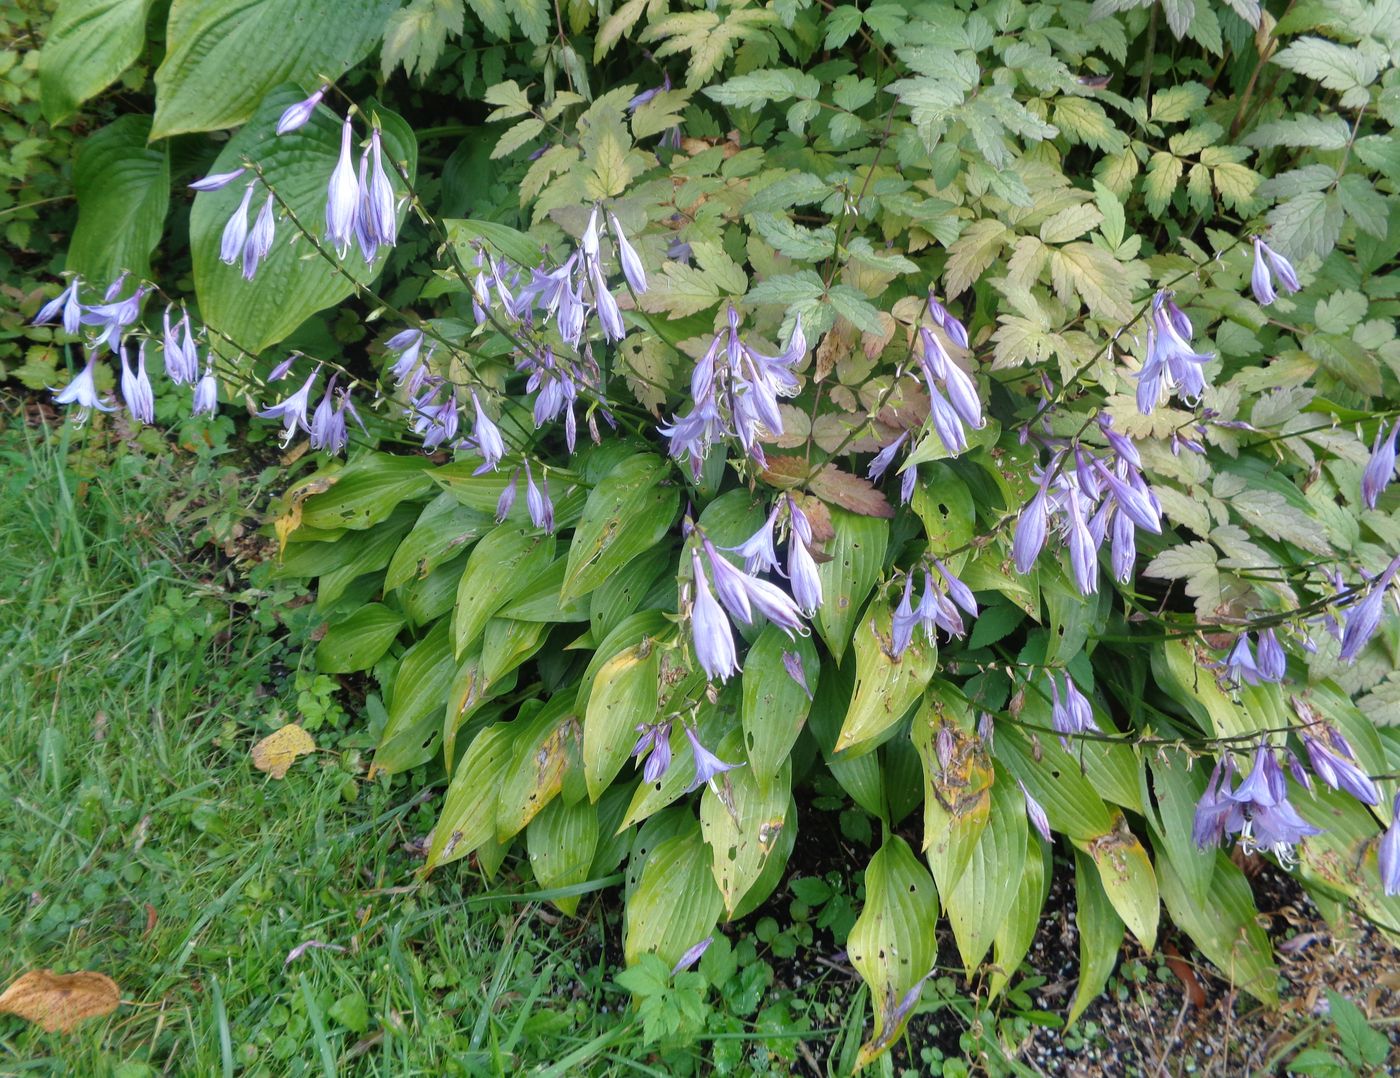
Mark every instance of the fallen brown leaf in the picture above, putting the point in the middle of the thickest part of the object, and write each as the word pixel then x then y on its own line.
pixel 57 1002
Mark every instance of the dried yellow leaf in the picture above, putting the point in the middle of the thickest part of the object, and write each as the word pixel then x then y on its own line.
pixel 59 1001
pixel 278 750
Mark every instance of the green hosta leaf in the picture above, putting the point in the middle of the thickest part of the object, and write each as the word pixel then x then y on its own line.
pixel 984 893
pixel 892 944
pixel 88 44
pixel 1177 792
pixel 368 490
pixel 775 706
pixel 857 556
pixel 742 820
pixel 358 642
pixel 468 817
pixel 123 191
pixel 540 599
pixel 1100 934
pixel 498 238
pixel 370 556
pixel 1013 938
pixel 1226 928
pixel 625 694
pixel 499 568
pixel 444 530
pixel 1127 879
pixel 1071 804
pixel 944 504
pixel 627 513
pixel 560 842
pixel 676 903
pixel 539 755
pixel 420 686
pixel 289 286
pixel 885 686
pixel 245 48
pixel 506 643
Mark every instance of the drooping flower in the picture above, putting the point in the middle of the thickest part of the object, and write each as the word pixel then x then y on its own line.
pixel 65 303
pixel 1272 662
pixel 206 394
pixel 136 388
pixel 1216 809
pixel 1388 852
pixel 507 499
pixel 883 459
pixel 297 115
pixel 692 955
pixel 235 233
pixel 1269 821
pixel 1380 469
pixel 655 745
pixel 792 663
pixel 758 550
pixel 216 181
pixel 1269 264
pixel 903 620
pixel 1365 617
pixel 1171 362
pixel 632 268
pixel 343 195
pixel 113 316
pixel 291 410
pixel 943 318
pixel 1032 529
pixel 1339 772
pixel 1035 813
pixel 1240 667
pixel 259 241
pixel 282 369
pixel 487 437
pixel 537 500
pixel 378 213
pixel 328 430
pixel 82 391
pixel 802 567
pixel 707 764
pixel 710 631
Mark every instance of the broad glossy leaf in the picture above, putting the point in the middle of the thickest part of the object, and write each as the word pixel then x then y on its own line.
pixel 1100 934
pixel 857 555
pixel 370 556
pixel 499 568
pixel 623 593
pixel 676 903
pixel 885 686
pixel 123 189
pixel 482 492
pixel 774 867
pixel 624 695
pixel 560 842
pixel 627 513
pixel 289 286
pixel 88 44
pixel 222 59
pixel 982 896
pixel 860 776
pixel 892 944
pixel 668 823
pixel 775 705
pixel 1226 928
pixel 741 820
pixel 540 599
pixel 506 643
pixel 468 817
pixel 1343 859
pixel 539 756
pixel 358 642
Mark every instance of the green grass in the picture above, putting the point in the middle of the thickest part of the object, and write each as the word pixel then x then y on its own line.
pixel 136 839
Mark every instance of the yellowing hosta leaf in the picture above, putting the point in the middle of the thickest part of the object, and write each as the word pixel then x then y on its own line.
pixel 885 685
pixel 1128 879
pixel 982 896
pixel 675 904
pixel 892 944
pixel 539 755
pixel 1100 934
pixel 624 695
pixel 275 753
pixel 957 798
pixel 742 821
pixel 58 1002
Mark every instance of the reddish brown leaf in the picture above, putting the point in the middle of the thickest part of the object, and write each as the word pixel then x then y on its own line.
pixel 849 491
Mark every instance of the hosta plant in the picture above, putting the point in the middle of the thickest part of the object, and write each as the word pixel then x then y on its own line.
pixel 984 409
